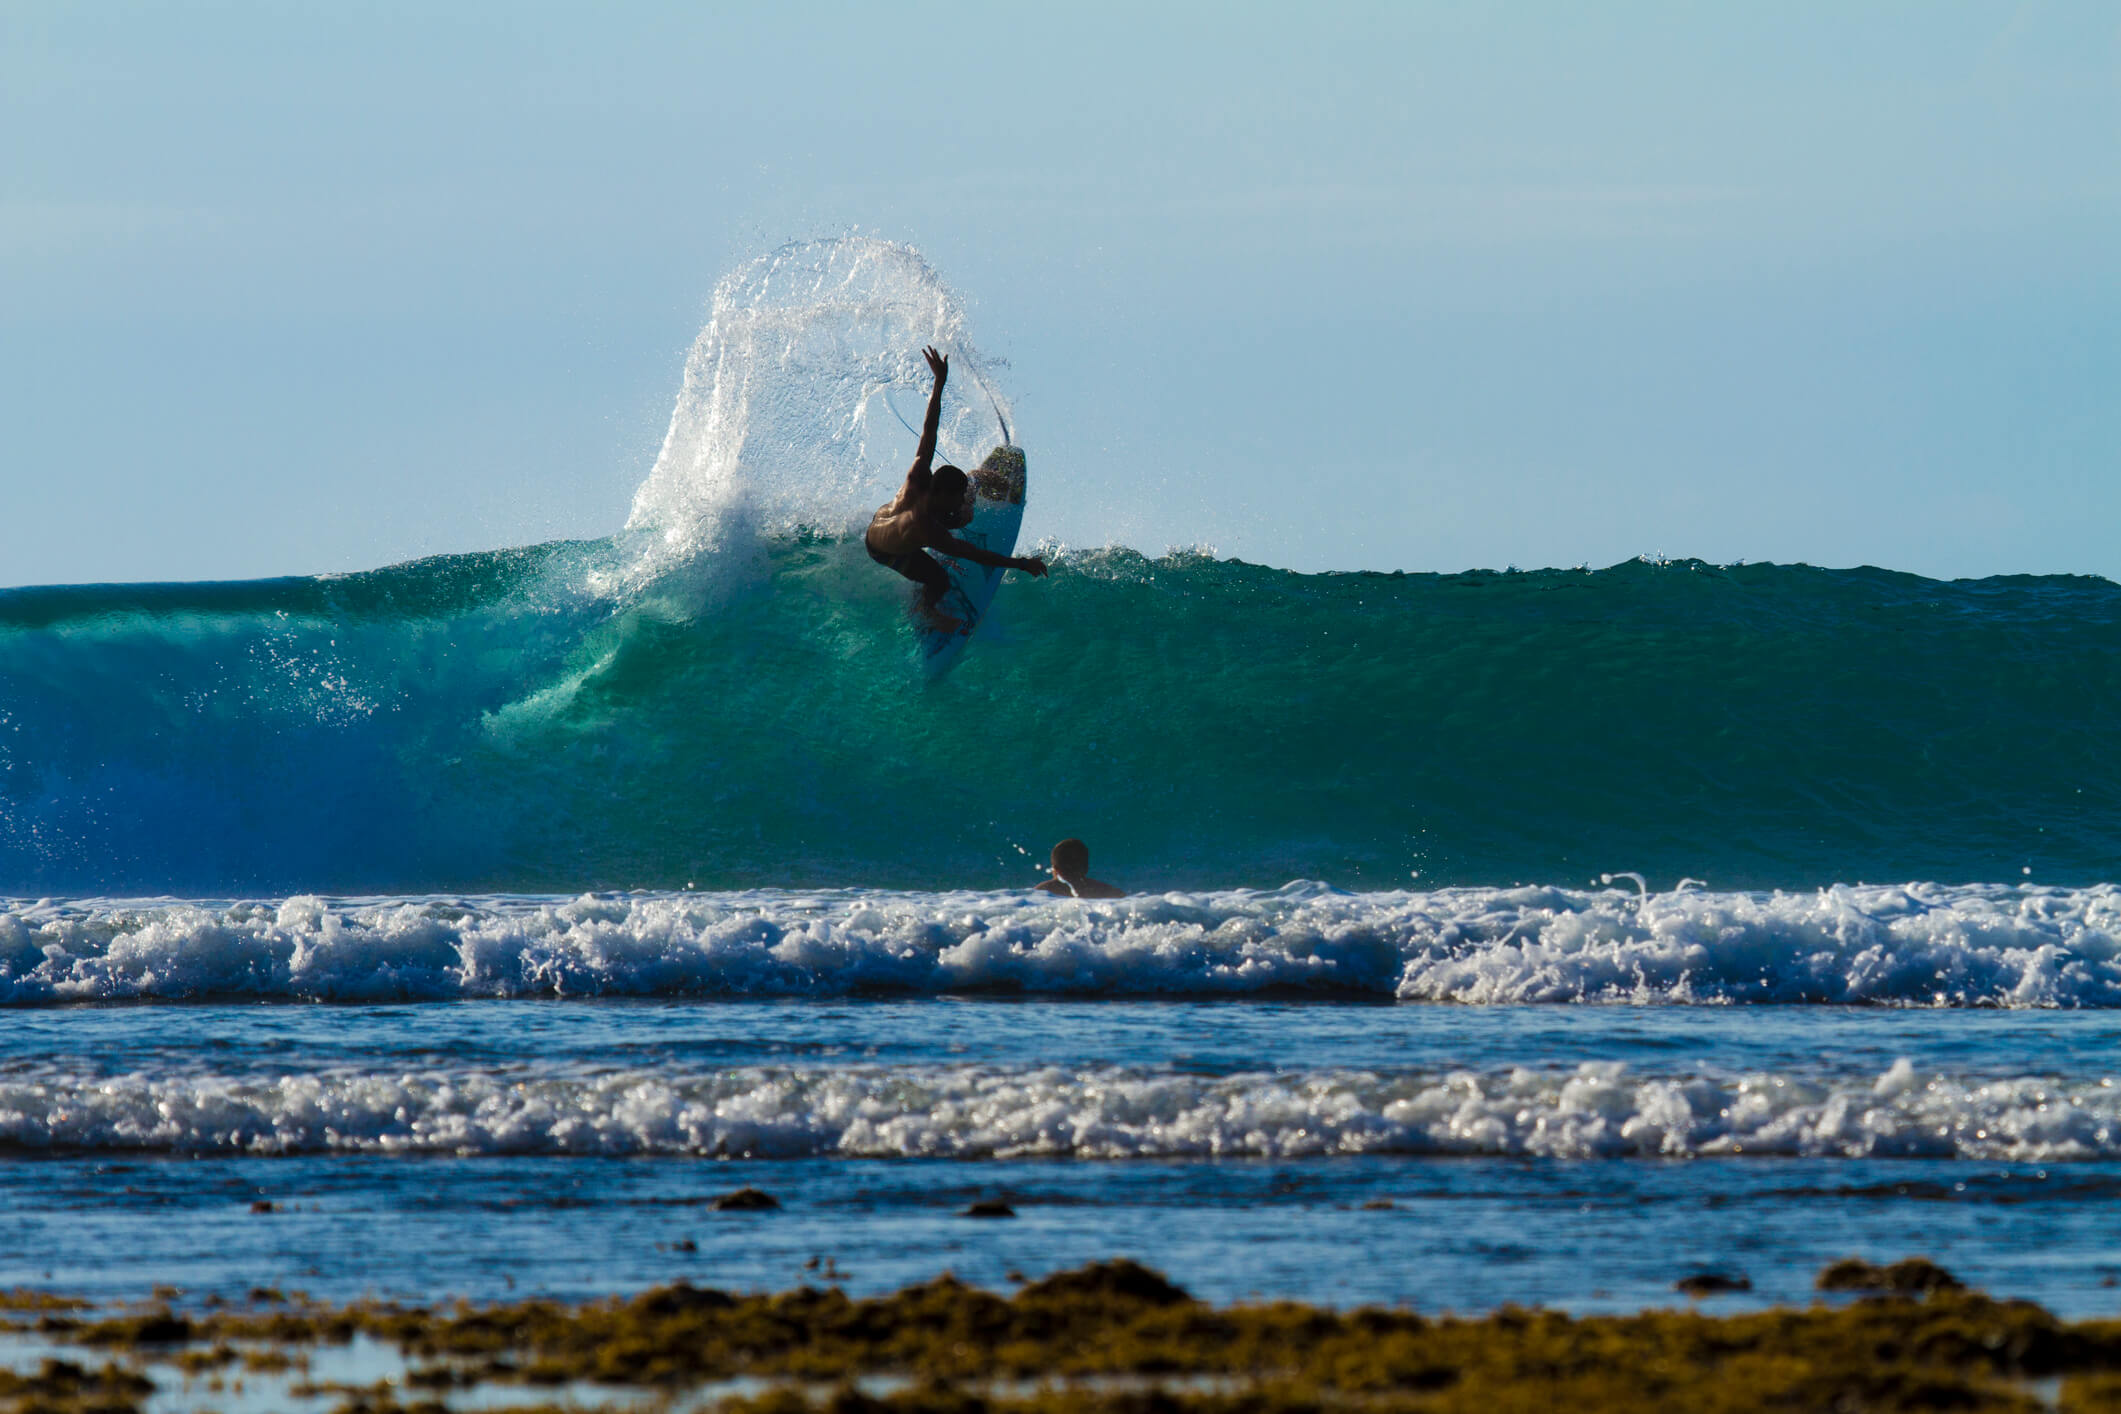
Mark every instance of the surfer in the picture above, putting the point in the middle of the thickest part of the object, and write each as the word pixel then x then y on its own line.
pixel 1071 874
pixel 933 502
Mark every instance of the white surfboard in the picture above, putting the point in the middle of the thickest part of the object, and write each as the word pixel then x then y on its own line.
pixel 998 489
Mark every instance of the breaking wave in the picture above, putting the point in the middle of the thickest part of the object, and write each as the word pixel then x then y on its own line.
pixel 724 695
pixel 1597 1110
pixel 1917 945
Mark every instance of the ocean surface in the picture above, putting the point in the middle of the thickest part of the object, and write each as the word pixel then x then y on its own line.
pixel 1540 936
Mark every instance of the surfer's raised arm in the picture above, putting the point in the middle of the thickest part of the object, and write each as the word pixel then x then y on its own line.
pixel 939 365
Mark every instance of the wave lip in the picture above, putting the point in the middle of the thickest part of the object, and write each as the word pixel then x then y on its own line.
pixel 969 1112
pixel 1913 945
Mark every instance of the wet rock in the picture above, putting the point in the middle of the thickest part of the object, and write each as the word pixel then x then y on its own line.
pixel 681 1298
pixel 1113 1281
pixel 157 1328
pixel 745 1200
pixel 1712 1284
pixel 1379 1205
pixel 263 1205
pixel 1911 1276
pixel 990 1208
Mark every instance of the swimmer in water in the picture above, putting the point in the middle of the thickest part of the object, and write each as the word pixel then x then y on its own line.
pixel 933 502
pixel 1071 874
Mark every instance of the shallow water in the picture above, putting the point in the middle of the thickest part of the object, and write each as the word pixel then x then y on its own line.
pixel 501 1148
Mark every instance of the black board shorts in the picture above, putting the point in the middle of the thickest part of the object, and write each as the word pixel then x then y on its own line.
pixel 916 565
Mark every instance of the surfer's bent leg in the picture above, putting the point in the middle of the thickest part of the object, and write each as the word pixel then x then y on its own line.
pixel 918 566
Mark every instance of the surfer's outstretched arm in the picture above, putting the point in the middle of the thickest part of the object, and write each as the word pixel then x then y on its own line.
pixel 938 364
pixel 980 555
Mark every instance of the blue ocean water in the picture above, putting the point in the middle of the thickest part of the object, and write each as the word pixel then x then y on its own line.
pixel 1493 936
pixel 1577 1155
pixel 533 721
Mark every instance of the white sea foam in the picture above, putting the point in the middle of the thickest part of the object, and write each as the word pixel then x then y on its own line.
pixel 1925 945
pixel 1597 1110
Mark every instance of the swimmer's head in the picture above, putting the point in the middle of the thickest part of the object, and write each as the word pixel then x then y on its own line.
pixel 1071 859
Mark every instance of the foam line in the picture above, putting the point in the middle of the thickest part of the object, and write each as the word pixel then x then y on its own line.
pixel 1913 945
pixel 969 1112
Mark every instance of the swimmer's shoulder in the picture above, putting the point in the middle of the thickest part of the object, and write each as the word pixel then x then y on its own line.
pixel 1089 888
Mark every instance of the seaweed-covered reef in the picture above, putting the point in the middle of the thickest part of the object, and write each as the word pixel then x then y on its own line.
pixel 1117 1338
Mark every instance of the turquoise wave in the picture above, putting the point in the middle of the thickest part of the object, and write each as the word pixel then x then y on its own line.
pixel 497 723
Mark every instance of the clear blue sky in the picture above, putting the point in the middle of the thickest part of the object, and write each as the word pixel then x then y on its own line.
pixel 296 287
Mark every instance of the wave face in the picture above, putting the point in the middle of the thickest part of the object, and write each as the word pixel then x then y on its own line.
pixel 1986 946
pixel 724 695
pixel 480 723
pixel 1596 1110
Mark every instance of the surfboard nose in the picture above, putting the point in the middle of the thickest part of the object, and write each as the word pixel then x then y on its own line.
pixel 1001 475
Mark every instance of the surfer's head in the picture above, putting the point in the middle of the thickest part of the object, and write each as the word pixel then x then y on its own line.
pixel 1071 859
pixel 950 495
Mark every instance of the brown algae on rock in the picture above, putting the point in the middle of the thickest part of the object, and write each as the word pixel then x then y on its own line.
pixel 24 1299
pixel 63 1387
pixel 1119 1338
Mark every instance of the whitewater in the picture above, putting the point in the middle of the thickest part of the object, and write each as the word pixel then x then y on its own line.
pixel 1910 946
pixel 1598 1110
pixel 1490 935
